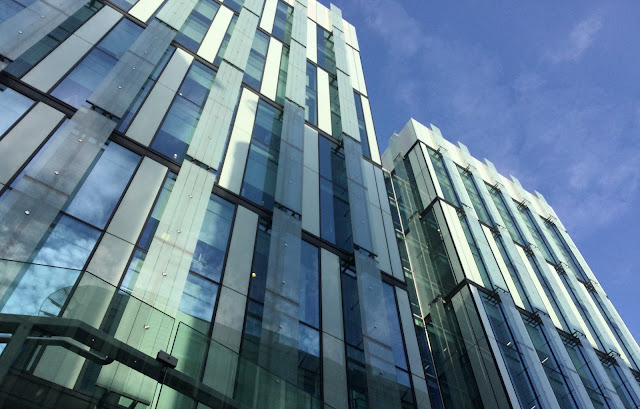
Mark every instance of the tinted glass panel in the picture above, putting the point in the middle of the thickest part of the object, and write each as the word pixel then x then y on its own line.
pixel 310 285
pixel 283 21
pixel 12 105
pixel 364 139
pixel 311 100
pixel 225 41
pixel 257 59
pixel 197 24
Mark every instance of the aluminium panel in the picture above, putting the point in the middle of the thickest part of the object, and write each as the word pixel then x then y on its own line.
pixel 322 16
pixel 238 149
pixel 324 101
pixel 130 217
pixel 213 39
pixel 26 136
pixel 354 37
pixel 312 41
pixel 269 87
pixel 311 9
pixel 268 15
pixel 144 9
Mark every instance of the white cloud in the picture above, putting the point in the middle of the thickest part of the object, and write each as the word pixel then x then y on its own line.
pixel 580 39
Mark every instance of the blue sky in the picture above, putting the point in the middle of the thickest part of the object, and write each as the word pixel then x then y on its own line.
pixel 547 90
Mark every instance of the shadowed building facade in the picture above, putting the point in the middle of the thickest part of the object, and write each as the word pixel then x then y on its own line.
pixel 194 213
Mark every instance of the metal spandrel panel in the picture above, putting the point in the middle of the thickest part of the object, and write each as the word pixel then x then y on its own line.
pixel 268 15
pixel 236 157
pixel 129 219
pixel 297 74
pixel 110 259
pixel 215 35
pixel 239 47
pixel 176 12
pixel 210 137
pixel 289 174
pixel 30 25
pixel 311 9
pixel 238 266
pixel 312 41
pixel 409 333
pixel 334 372
pixel 354 38
pixel 115 95
pixel 324 101
pixel 347 107
pixel 299 24
pixel 269 86
pixel 382 388
pixel 17 146
pixel 322 16
pixel 331 295
pixel 144 9
pixel 27 211
pixel 278 351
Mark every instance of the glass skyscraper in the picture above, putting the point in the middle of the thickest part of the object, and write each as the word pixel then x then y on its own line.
pixel 194 213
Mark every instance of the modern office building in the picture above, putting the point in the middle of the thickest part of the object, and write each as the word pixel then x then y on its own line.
pixel 194 214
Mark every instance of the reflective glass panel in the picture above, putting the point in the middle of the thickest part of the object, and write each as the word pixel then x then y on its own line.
pixel 225 41
pixel 197 24
pixel 12 106
pixel 283 22
pixel 364 139
pixel 257 59
pixel 311 100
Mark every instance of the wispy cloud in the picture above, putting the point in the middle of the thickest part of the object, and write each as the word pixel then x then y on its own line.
pixel 581 37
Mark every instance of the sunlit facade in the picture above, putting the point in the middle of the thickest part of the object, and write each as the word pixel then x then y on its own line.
pixel 194 213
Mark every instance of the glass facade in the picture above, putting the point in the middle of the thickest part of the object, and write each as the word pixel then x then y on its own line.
pixel 202 234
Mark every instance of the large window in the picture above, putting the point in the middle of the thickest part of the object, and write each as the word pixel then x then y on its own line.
pixel 283 22
pixel 282 77
pixel 259 183
pixel 309 377
pixel 70 239
pixel 198 297
pixel 311 100
pixel 176 132
pixel 257 58
pixel 197 24
pixel 336 118
pixel 527 217
pixel 335 216
pixel 78 85
pixel 362 127
pixel 38 51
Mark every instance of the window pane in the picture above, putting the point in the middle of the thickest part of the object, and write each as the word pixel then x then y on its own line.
pixel 12 106
pixel 443 177
pixel 262 164
pixel 68 243
pixel 225 41
pixel 310 286
pixel 282 24
pixel 102 188
pixel 397 344
pixel 257 59
pixel 211 248
pixel 177 129
pixel 282 77
pixel 311 101
pixel 195 27
pixel 335 219
pixel 198 299
pixel 154 220
pixel 326 54
pixel 364 139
